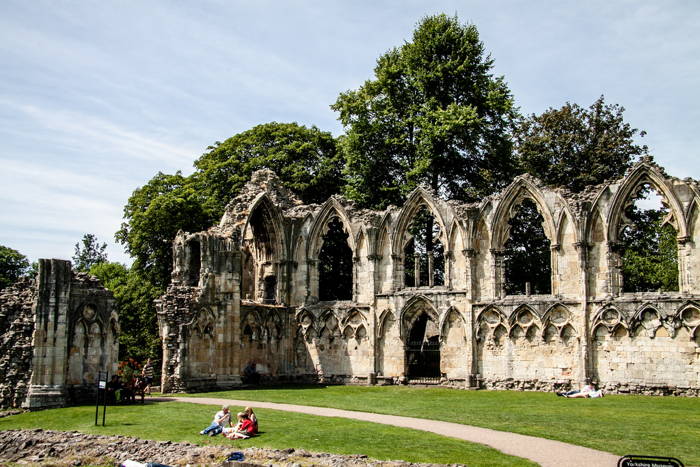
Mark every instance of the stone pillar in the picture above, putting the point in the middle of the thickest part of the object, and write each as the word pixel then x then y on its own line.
pixel 50 340
pixel 586 363
pixel 472 281
pixel 498 273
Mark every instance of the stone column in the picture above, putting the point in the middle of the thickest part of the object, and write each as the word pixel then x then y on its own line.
pixel 50 340
pixel 498 273
pixel 586 363
pixel 373 267
pixel 470 256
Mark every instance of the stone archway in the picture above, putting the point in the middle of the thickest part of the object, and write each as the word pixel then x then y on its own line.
pixel 423 349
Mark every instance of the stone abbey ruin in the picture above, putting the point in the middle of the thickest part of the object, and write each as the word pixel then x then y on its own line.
pixel 56 333
pixel 336 294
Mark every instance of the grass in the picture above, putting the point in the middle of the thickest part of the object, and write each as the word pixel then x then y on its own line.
pixel 660 426
pixel 181 422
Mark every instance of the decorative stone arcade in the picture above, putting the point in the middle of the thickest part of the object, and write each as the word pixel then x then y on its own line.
pixel 418 293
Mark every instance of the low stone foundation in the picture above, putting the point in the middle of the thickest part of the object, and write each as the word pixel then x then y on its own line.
pixel 73 448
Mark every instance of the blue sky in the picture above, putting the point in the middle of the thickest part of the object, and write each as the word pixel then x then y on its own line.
pixel 97 97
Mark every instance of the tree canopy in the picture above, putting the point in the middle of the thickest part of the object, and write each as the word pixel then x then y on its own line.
pixel 13 265
pixel 135 297
pixel 304 158
pixel 576 147
pixel 434 114
pixel 88 252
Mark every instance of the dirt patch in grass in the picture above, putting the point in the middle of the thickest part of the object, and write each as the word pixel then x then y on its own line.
pixel 61 448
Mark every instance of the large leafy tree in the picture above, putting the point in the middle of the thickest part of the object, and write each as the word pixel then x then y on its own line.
pixel 153 216
pixel 135 297
pixel 89 252
pixel 648 248
pixel 13 265
pixel 434 114
pixel 576 147
pixel 305 159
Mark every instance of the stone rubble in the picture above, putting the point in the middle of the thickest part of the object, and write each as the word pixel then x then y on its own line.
pixel 59 448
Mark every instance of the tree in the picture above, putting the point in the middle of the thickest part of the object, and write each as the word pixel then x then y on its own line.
pixel 88 252
pixel 305 159
pixel 576 147
pixel 13 265
pixel 433 114
pixel 135 297
pixel 648 248
pixel 153 215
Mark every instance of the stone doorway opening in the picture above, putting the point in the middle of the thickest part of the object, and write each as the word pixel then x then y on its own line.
pixel 423 351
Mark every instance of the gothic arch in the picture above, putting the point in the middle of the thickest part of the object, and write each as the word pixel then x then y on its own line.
pixel 610 317
pixel 444 322
pixel 263 201
pixel 381 321
pixel 565 216
pixel 644 173
pixel 420 197
pixel 414 307
pixel 522 188
pixel 331 208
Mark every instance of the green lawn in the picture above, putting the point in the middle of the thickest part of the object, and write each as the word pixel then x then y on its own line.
pixel 181 422
pixel 661 426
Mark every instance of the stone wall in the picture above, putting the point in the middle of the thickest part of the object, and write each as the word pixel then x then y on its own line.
pixel 57 332
pixel 248 290
pixel 16 329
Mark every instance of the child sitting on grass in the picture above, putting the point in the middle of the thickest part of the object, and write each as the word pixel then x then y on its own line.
pixel 245 428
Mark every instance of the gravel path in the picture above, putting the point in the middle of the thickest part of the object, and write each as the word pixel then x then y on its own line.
pixel 545 452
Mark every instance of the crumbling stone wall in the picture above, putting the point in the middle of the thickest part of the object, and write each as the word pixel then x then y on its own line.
pixel 56 332
pixel 248 290
pixel 16 329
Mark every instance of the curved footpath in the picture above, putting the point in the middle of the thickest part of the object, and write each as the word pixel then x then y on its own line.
pixel 545 452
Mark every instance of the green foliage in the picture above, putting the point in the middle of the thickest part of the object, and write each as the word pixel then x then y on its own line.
pixel 576 147
pixel 527 254
pixel 153 216
pixel 137 315
pixel 13 265
pixel 305 159
pixel 649 252
pixel 279 430
pixel 433 114
pixel 621 424
pixel 88 252
pixel 335 264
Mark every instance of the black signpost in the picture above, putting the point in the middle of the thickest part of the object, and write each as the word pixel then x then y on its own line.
pixel 101 390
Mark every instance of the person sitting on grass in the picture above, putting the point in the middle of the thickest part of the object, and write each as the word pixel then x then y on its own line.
pixel 222 419
pixel 253 418
pixel 244 429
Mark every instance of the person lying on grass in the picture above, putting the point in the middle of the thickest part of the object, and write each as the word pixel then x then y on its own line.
pixel 222 419
pixel 245 428
pixel 588 391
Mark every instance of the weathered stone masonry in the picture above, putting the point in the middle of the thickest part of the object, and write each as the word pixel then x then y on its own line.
pixel 248 290
pixel 56 332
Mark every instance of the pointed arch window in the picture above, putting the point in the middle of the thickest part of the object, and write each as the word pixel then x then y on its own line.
pixel 335 264
pixel 424 253
pixel 647 244
pixel 527 253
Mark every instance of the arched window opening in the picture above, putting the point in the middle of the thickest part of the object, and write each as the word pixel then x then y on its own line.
pixel 195 262
pixel 527 253
pixel 647 244
pixel 423 349
pixel 260 262
pixel 335 264
pixel 424 253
